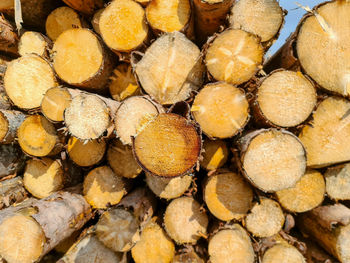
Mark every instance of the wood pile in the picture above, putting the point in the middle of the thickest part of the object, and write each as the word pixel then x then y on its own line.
pixel 155 131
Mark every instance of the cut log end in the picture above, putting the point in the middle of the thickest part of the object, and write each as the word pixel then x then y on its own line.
pixel 283 253
pixel 318 46
pixel 307 194
pixel 168 188
pixel 123 26
pixel 37 136
pixel 215 154
pixel 33 43
pixel 118 230
pixel 43 177
pixel 169 15
pixel 221 109
pixel 132 115
pixel 273 159
pixel 121 159
pixel 231 245
pixel 60 20
pixel 236 63
pixel 54 103
pixel 263 18
pixel 87 117
pixel 338 182
pixel 146 252
pixel 86 154
pixel 326 139
pixel 123 83
pixel 184 220
pixel 169 146
pixel 103 188
pixel 286 98
pixel 171 69
pixel 228 196
pixel 265 219
pixel 27 79
pixel 21 239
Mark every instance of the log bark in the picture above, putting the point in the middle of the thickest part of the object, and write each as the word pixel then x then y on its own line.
pixel 4 100
pixel 12 160
pixel 184 221
pixel 9 123
pixel 329 226
pixel 210 16
pixel 159 72
pixel 12 192
pixel 87 7
pixel 8 37
pixel 272 159
pixel 169 146
pixel 50 220
pixel 27 79
pixel 74 67
pixel 32 42
pixel 224 119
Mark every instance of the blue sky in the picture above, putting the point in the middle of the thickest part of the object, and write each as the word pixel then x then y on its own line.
pixel 291 20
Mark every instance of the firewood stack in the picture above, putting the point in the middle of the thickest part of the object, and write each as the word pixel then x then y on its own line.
pixel 155 131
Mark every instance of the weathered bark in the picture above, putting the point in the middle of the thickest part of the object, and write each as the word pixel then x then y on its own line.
pixel 12 192
pixel 4 100
pixel 74 67
pixel 87 7
pixel 8 37
pixel 329 226
pixel 50 220
pixel 11 160
pixel 9 123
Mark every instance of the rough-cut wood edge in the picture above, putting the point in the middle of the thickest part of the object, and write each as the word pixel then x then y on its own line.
pixel 190 170
pixel 244 142
pixel 48 47
pixel 12 191
pixel 14 119
pixel 259 116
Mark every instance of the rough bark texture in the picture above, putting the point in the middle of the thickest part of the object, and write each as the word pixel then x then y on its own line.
pixel 11 160
pixel 8 38
pixel 87 7
pixel 12 192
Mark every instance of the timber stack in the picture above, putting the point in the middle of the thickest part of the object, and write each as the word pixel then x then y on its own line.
pixel 158 131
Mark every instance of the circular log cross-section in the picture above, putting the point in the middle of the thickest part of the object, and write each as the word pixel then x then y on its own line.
pixel 34 42
pixel 54 103
pixel 283 253
pixel 272 159
pixel 169 146
pixel 234 56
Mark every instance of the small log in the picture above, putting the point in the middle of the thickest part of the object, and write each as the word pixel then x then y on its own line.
pixel 86 153
pixel 11 160
pixel 30 230
pixel 307 194
pixel 284 98
pixel 283 252
pixel 272 222
pixel 121 159
pixel 185 221
pixel 169 146
pixel 215 154
pixel 27 79
pixel 168 188
pixel 103 188
pixel 60 20
pixel 123 83
pixel 165 16
pixel 32 42
pixel 272 159
pixel 234 64
pixel 338 182
pixel 43 177
pixel 329 226
pixel 231 245
pixel 145 250
pixel 263 18
pixel 123 27
pixel 74 67
pixel 210 16
pixel 228 196
pixel 9 123
pixel 224 119
pixel 12 192
pixel 132 115
pixel 170 69
pixel 38 137
pixel 89 249
pixel 326 136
